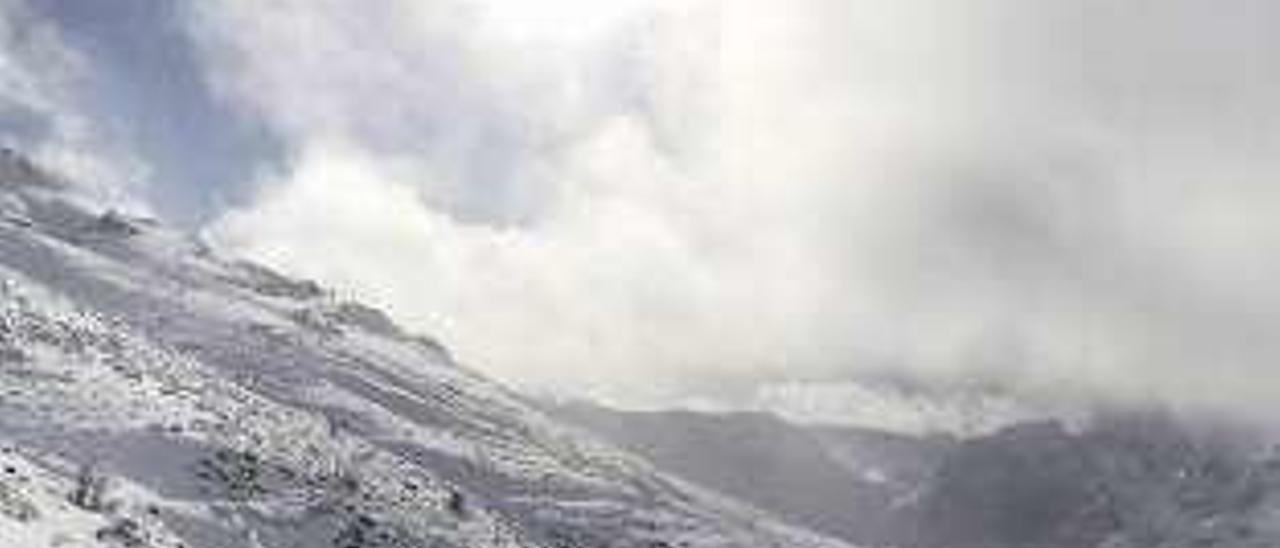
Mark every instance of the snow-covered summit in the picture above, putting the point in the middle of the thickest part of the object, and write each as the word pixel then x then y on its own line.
pixel 155 394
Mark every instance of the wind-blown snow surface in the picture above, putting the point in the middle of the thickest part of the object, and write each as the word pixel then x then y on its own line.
pixel 154 394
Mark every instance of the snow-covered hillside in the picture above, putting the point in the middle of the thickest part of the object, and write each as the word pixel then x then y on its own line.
pixel 154 394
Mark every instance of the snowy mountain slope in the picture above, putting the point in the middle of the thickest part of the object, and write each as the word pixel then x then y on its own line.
pixel 896 404
pixel 155 394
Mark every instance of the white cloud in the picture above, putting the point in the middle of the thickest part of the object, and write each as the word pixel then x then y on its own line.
pixel 728 191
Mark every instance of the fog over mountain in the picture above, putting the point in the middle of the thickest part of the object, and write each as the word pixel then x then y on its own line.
pixel 918 273
pixel 647 201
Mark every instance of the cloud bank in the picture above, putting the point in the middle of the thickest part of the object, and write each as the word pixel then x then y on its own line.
pixel 693 196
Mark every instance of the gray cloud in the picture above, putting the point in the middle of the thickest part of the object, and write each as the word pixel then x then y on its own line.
pixel 44 108
pixel 144 89
pixel 1052 194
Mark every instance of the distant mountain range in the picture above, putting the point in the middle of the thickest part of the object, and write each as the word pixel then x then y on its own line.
pixel 842 481
pixel 1128 479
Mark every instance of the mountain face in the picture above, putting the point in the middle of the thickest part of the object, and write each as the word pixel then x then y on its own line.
pixel 155 394
pixel 1128 479
pixel 846 482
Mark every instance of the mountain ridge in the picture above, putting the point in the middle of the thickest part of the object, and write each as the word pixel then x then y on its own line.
pixel 1129 478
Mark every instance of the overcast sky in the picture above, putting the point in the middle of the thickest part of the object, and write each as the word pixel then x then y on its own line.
pixel 643 199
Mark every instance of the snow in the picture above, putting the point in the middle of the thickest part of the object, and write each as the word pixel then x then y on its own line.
pixel 226 406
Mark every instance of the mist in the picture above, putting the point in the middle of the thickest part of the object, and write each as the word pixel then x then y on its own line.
pixel 649 201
